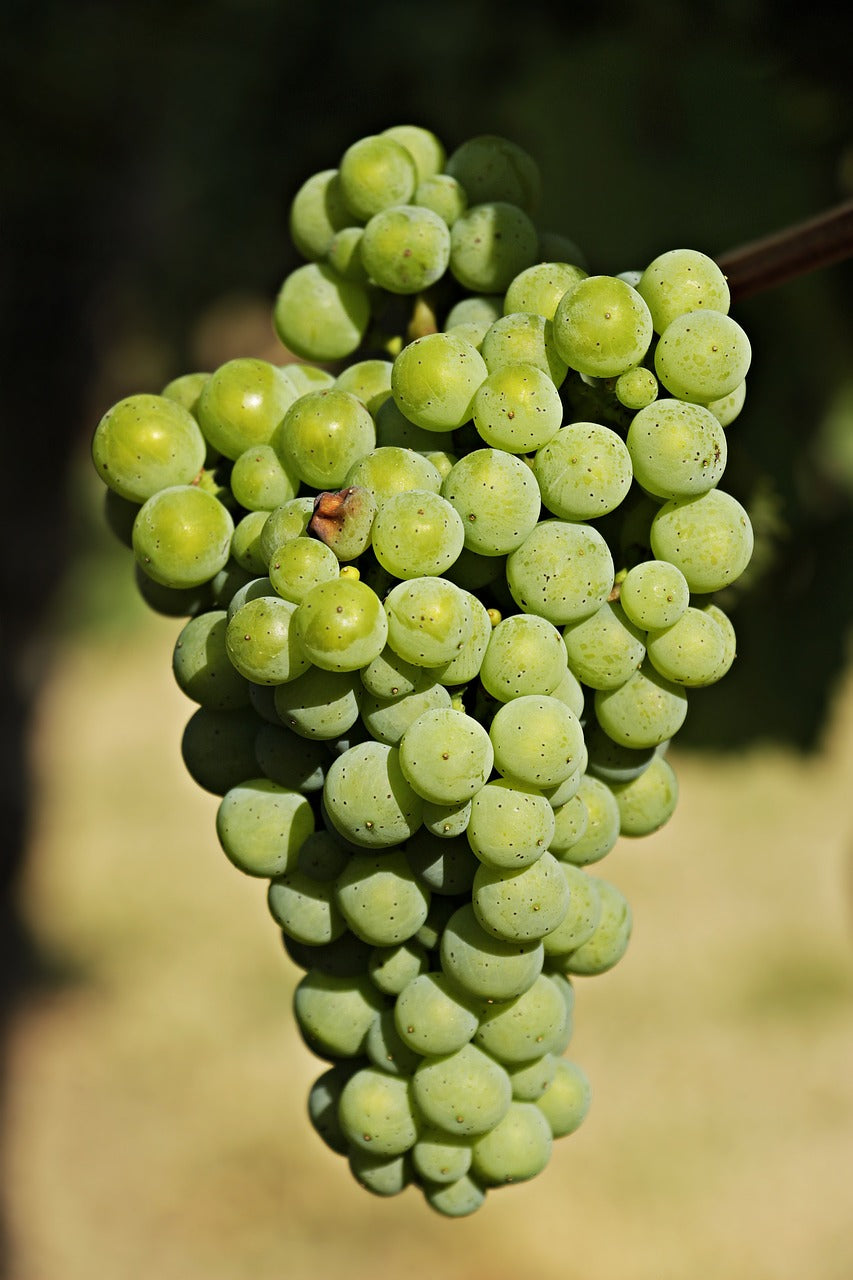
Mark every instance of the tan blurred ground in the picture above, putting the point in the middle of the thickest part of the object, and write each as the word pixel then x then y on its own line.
pixel 157 1121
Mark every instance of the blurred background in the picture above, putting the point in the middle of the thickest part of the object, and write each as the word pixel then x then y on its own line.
pixel 153 1086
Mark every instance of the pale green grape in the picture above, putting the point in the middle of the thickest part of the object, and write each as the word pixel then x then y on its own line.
pixel 375 1112
pixel 446 756
pixel 323 435
pixel 569 690
pixel 691 651
pixel 380 898
pixel 322 856
pixel 463 1093
pixel 319 704
pixel 299 565
pixel 610 939
pixel 440 1157
pixel 261 826
pixel 433 1017
pixel 682 280
pixel 394 428
pixel 368 380
pixel 537 740
pixel 580 921
pixel 525 655
pixel 259 482
pixel 305 908
pixel 446 821
pixel 702 356
pixel 562 571
pixel 391 470
pixel 423 146
pixel 611 762
pixel 307 377
pixel 147 443
pixel 605 649
pixel 386 1050
pixel 344 255
pixel 465 666
pixel 376 172
pixel 509 827
pixel 539 288
pixel 583 471
pixel 406 248
pixel 429 621
pixel 523 338
pixel 242 403
pixel 368 799
pixel 218 748
pixel 636 388
pixel 316 213
pixel 727 408
pixel 417 534
pixel 487 967
pixel 521 905
pixel 262 642
pixel 480 310
pixel 490 243
pixel 443 195
pixel 708 538
pixel 442 864
pixel 517 408
pixel 341 625
pixel 320 316
pixel 647 801
pixel 565 1104
pixel 497 498
pixel 654 594
pixel 602 327
pixel 516 1149
pixel 182 536
pixel 434 380
pixel 284 757
pixel 185 390
pixel 491 167
pixel 571 819
pixel 389 676
pixel 559 796
pixel 530 1079
pixel 522 1029
pixel 677 450
pixel 380 1175
pixel 455 1199
pixel 601 830
pixel 287 521
pixel 246 542
pixel 201 665
pixel 387 719
pixel 729 637
pixel 390 968
pixel 643 712
pixel 323 1100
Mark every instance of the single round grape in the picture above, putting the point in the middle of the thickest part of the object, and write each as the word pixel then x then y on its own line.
pixel 478 309
pixel 218 748
pixel 334 1013
pixel 394 428
pixel 323 435
pixel 182 536
pixel 434 380
pixel 708 538
pixel 320 316
pixel 523 338
pixel 391 470
pixel 380 1175
pixel 562 571
pixel 417 534
pixel 242 403
pixel 380 898
pixel 464 1093
pixel 389 676
pixel 185 390
pixel 729 638
pixel 611 762
pixel 727 408
pixel 344 255
pixel 509 827
pixel 442 864
pixel 537 740
pixel 319 704
pixel 491 167
pixel 647 801
pixel 636 388
pixel 446 821
pixel 523 904
pixel 252 589
pixel 682 280
pixel 443 195
pixel 246 542
pixel 387 719
pixel 678 450
pixel 433 1017
pixel 605 649
pixel 654 594
pixel 530 1079
pixel 299 565
pixel 539 288
pixel 440 1157
pixel 517 408
pixel 147 443
pixel 521 1030
pixel 601 829
pixel 690 652
pixel 429 621
pixel 261 827
pixel 570 691
pixel 201 665
pixel 583 471
pixel 497 498
pixel 323 1100
pixel 259 482
pixel 602 327
pixel 317 211
pixel 467 663
pixel 368 799
pixel 483 965
pixel 262 642
pixel 610 939
pixel 446 756
pixel 565 1103
pixel 290 520
pixel 406 248
pixel 643 712
pixel 516 1149
pixel 490 244
pixel 307 377
pixel 702 356
pixel 455 1199
pixel 580 921
pixel 341 625
pixel 386 1050
pixel 392 967
pixel 286 758
pixel 305 908
pixel 571 819
pixel 376 172
pixel 423 146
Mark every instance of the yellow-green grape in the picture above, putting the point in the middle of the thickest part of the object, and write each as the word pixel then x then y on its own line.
pixel 691 651
pixel 485 966
pixel 387 719
pixel 322 435
pixel 443 863
pixel 610 939
pixel 390 968
pixel 537 740
pixel 380 1175
pixel 446 821
pixel 463 1093
pixel 480 310
pixel 380 898
pixel 344 255
pixel 643 712
pixel 520 904
pixel 390 676
pixel 305 908
pixel 571 817
pixel 429 621
pixel 394 428
pixel 523 1029
pixel 440 1157
pixel 299 565
pixel 218 748
pixel 709 538
pixel 392 469
pixel 602 327
pixel 516 1149
pixel 434 381
pixel 654 594
pixel 580 921
pixel 368 799
pixel 497 498
pixel 263 643
pixel 259 482
pixel 405 249
pixel 369 380
pixel 647 801
pixel 186 389
pixel 601 829
pixel 334 1013
pixel 416 534
pixel 290 520
pixel 147 443
pixel 375 173
pixel 446 756
pixel 246 542
pixel 569 690
pixel 530 1079
pixel 320 316
pixel 182 536
pixel 433 1017
pixel 307 377
pixel 455 1199
pixel 565 1103
pixel 343 521
pixel 678 450
pixel 341 625
pixel 523 338
pixel 728 407
pixel 317 212
pixel 702 356
pixel 682 280
pixel 729 638
pixel 251 589
pixel 517 408
pixel 490 244
pixel 540 287
pixel 509 827
pixel 605 649
pixel 584 470
pixel 319 704
pixel 443 195
pixel 262 826
pixel 242 403
pixel 636 388
pixel 525 655
pixel 468 661
pixel 491 167
pixel 202 668
pixel 423 146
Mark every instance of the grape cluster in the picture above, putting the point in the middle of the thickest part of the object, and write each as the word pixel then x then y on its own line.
pixel 444 604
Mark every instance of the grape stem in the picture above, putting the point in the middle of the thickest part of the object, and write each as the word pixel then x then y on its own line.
pixel 806 246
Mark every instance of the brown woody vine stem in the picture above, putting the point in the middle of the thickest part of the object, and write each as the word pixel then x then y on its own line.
pixel 807 246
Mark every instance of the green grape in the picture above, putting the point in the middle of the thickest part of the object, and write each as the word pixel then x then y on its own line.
pixel 434 380
pixel 691 651
pixel 201 665
pixel 677 450
pixel 702 356
pixel 305 908
pixel 565 1103
pixel 571 819
pixel 443 195
pixel 394 428
pixel 341 625
pixel 463 1093
pixel 442 864
pixel 299 565
pixel 389 676
pixel 147 443
pixel 391 968
pixel 319 704
pixel 380 898
pixel 423 146
pixel 242 403
pixel 323 435
pixel 429 621
pixel 611 762
pixel 317 212
pixel 320 316
pixel 472 571
pixel 605 649
pixel 708 538
pixel 601 830
pixel 523 904
pixel 441 908
pixel 455 1199
pixel 727 408
pixel 380 1175
pixel 323 1100
pixel 583 471
pixel 516 1149
pixel 246 542
pixel 344 255
pixel 290 520
pixel 218 748
pixel 508 827
pixel 481 310
pixel 497 498
pixel 441 1158
pixel 259 482
pixel 253 589
pixel 322 856
pixel 559 796
pixel 491 167
pixel 682 280
pixel 562 571
pixel 729 638
pixel 387 719
pixel 521 1030
pixel 433 1017
pixel 530 1079
pixel 386 1050
pixel 636 388
pixel 643 712
pixel 610 939
pixel 225 584
pixel 446 756
pixel 602 327
pixel 346 957
pixel 581 919
pixel 446 821
pixel 261 826
pixel 539 288
pixel 185 390
pixel 376 1114
pixel 654 594
pixel 517 408
pixel 465 666
pixel 391 470
pixel 490 243
pixel 262 643
pixel 569 690
pixel 368 380
pixel 174 602
pixel 537 740
pixel 483 965
pixel 375 173
pixel 307 377
pixel 182 536
pixel 416 534
pixel 285 757
pixel 647 801
pixel 406 248
pixel 334 1013
pixel 523 338
pixel 368 799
